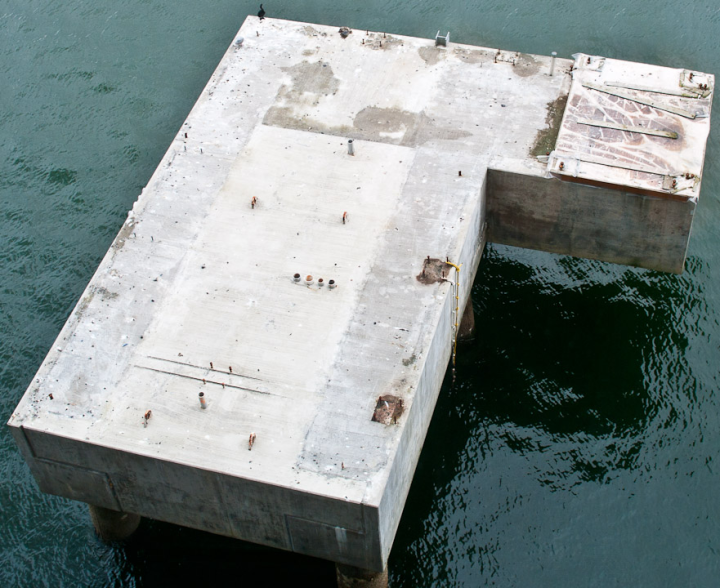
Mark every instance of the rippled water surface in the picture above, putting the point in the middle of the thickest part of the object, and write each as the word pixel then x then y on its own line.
pixel 580 443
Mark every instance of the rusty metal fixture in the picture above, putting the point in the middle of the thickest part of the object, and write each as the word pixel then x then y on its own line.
pixel 388 409
pixel 321 282
pixel 203 402
pixel 296 278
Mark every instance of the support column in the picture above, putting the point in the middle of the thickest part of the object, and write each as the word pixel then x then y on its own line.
pixel 112 525
pixel 466 331
pixel 352 577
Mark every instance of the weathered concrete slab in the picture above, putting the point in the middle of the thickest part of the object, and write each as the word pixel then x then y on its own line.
pixel 197 293
pixel 635 125
pixel 624 195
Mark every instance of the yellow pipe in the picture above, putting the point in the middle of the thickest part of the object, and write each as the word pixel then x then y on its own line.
pixel 457 310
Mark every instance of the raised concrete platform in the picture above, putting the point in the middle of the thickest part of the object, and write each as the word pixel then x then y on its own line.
pixel 337 385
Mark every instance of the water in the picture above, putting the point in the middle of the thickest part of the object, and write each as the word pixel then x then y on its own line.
pixel 580 445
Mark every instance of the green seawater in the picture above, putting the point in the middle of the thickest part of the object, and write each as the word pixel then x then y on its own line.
pixel 580 444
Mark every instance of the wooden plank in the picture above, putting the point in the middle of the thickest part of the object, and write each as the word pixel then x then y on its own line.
pixel 627 96
pixel 611 163
pixel 619 127
pixel 687 93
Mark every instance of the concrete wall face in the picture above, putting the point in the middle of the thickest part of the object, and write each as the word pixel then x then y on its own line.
pixel 587 221
pixel 428 389
pixel 279 517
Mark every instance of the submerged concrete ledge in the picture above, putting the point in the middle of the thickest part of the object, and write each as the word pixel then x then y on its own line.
pixel 316 399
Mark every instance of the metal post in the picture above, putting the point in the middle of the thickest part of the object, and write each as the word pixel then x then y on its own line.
pixel 552 63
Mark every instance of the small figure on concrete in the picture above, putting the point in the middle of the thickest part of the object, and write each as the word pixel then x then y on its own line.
pixel 261 13
pixel 344 32
pixel 146 418
pixel 251 441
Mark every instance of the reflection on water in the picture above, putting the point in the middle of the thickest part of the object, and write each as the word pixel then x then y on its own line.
pixel 579 388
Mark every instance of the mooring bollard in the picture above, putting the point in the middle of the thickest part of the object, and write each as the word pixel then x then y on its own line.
pixel 552 63
pixel 351 147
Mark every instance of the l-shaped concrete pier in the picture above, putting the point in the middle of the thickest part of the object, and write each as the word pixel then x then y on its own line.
pixel 313 297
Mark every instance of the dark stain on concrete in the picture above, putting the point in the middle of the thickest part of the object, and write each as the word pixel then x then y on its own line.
pixel 431 55
pixel 546 138
pixel 410 360
pixel 313 77
pixel 473 55
pixel 106 294
pixel 286 118
pixel 371 124
pixel 385 120
pixel 417 128
pixel 526 65
pixel 312 32
pixel 312 81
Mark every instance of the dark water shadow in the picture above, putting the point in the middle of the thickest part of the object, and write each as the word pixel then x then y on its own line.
pixel 565 374
pixel 162 554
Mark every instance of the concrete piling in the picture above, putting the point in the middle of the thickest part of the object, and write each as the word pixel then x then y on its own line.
pixel 112 525
pixel 352 577
pixel 466 332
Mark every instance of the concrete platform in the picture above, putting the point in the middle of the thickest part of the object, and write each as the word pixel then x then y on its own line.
pixel 197 293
